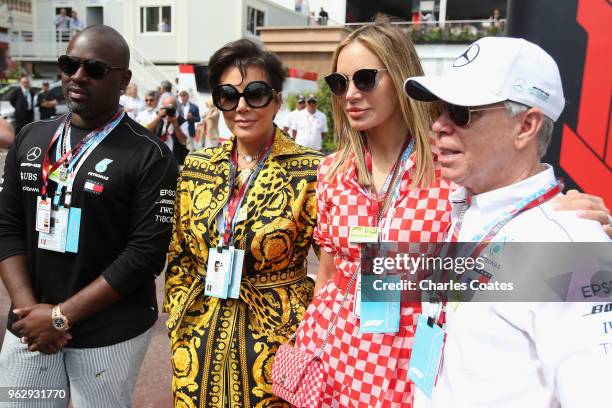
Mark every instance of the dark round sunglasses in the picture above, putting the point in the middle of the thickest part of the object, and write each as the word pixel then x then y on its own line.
pixel 94 69
pixel 364 79
pixel 257 94
pixel 462 115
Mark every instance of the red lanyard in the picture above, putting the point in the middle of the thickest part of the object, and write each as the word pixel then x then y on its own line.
pixel 490 234
pixel 482 243
pixel 64 131
pixel 236 199
pixel 385 190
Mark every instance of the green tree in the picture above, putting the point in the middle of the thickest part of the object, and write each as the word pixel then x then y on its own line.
pixel 324 102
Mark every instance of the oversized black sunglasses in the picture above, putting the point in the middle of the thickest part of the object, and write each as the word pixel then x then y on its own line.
pixel 364 79
pixel 94 69
pixel 257 94
pixel 462 115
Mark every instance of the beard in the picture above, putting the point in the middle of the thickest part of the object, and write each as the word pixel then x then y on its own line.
pixel 84 110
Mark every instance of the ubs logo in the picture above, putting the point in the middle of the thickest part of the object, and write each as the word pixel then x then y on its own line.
pixel 33 153
pixel 468 56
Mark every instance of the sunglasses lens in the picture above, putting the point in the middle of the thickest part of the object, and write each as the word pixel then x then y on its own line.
pixel 257 94
pixel 459 114
pixel 365 79
pixel 68 65
pixel 337 84
pixel 95 69
pixel 225 97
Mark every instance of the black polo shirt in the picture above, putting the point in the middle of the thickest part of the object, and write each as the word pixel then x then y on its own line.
pixel 125 190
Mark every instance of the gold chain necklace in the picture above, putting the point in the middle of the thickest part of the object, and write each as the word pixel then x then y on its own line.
pixel 248 159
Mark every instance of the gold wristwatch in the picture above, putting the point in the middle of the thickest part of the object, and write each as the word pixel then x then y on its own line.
pixel 59 321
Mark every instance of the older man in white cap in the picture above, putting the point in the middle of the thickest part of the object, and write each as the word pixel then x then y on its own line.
pixel 498 103
pixel 309 125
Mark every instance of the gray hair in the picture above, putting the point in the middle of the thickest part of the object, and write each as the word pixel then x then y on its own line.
pixel 152 94
pixel 166 86
pixel 546 131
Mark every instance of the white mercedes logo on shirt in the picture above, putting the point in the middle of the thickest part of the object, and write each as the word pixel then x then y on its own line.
pixel 33 153
pixel 468 56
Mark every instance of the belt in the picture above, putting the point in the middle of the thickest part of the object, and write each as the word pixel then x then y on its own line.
pixel 249 284
pixel 276 278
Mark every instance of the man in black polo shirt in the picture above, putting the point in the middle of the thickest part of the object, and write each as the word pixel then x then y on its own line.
pixel 85 219
pixel 46 102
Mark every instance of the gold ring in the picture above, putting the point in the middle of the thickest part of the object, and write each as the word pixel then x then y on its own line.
pixel 23 340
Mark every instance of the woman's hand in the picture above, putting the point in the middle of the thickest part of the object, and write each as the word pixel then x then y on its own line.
pixel 587 206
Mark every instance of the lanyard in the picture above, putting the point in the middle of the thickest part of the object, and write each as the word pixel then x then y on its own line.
pixel 93 139
pixel 395 175
pixel 236 200
pixel 483 239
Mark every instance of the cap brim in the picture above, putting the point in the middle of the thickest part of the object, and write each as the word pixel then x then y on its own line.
pixel 449 89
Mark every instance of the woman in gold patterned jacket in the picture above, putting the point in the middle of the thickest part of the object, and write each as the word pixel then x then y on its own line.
pixel 223 348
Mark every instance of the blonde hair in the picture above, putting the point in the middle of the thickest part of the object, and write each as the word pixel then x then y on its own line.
pixel 396 51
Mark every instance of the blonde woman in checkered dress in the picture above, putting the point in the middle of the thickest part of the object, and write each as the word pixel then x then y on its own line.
pixel 371 114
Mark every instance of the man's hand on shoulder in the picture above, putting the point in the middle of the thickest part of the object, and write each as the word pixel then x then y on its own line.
pixel 587 206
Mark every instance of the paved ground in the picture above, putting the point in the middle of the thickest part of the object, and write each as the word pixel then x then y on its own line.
pixel 153 386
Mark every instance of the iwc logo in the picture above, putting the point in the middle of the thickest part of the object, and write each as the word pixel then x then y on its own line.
pixel 468 56
pixel 103 165
pixel 33 153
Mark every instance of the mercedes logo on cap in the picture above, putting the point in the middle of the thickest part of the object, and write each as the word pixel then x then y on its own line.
pixel 33 153
pixel 468 56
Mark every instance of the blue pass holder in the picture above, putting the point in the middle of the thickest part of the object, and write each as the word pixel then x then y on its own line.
pixel 379 317
pixel 427 352
pixel 379 310
pixel 74 229
pixel 234 286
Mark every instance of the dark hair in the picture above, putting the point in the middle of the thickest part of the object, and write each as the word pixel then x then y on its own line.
pixel 244 54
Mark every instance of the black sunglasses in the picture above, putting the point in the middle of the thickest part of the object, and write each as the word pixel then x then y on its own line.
pixel 364 79
pixel 462 115
pixel 257 94
pixel 94 69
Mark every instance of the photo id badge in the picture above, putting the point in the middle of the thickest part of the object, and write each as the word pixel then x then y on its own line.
pixel 218 272
pixel 74 229
pixel 359 234
pixel 43 214
pixel 427 352
pixel 55 239
pixel 234 286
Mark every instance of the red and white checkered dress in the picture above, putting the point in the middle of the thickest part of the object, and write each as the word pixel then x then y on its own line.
pixel 367 370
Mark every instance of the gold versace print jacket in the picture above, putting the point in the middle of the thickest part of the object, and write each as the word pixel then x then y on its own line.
pixel 222 349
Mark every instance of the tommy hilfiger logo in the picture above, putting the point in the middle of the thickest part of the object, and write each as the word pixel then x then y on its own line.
pixel 93 187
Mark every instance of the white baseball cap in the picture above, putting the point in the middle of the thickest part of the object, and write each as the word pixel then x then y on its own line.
pixel 496 69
